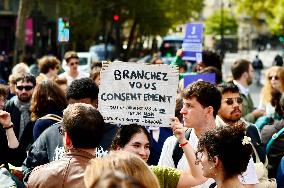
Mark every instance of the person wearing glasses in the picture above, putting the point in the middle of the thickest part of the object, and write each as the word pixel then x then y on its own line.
pixel 230 114
pixel 72 60
pixel 274 79
pixel 11 151
pixel 19 106
pixel 242 72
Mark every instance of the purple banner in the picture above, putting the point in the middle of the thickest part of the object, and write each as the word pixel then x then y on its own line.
pixel 208 77
pixel 192 42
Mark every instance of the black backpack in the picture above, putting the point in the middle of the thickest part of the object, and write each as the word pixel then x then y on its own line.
pixel 177 152
pixel 257 64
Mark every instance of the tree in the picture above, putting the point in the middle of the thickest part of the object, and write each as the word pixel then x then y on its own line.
pixel 90 20
pixel 213 23
pixel 20 30
pixel 270 10
pixel 275 19
pixel 84 20
pixel 153 17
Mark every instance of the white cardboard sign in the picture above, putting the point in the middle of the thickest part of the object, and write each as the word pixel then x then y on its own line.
pixel 143 94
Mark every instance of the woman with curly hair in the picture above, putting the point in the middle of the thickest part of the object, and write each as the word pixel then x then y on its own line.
pixel 47 105
pixel 224 153
pixel 274 79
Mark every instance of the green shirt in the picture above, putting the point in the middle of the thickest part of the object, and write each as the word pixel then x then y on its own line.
pixel 168 177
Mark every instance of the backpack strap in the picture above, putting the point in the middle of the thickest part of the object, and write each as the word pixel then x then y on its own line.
pixel 177 152
pixel 53 117
pixel 273 138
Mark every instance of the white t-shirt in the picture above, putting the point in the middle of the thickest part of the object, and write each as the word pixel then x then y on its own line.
pixel 248 177
pixel 70 79
pixel 269 109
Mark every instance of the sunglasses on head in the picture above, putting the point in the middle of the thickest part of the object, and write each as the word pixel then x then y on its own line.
pixel 27 88
pixel 275 77
pixel 230 101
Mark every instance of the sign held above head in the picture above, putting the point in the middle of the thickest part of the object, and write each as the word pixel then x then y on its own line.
pixel 138 93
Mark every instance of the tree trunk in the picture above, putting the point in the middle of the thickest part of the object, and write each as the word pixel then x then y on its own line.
pixel 20 31
pixel 130 39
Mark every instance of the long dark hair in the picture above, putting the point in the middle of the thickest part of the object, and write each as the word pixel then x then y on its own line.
pixel 125 133
pixel 47 95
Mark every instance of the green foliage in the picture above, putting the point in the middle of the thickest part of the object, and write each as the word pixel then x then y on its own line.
pixel 92 18
pixel 275 18
pixel 84 21
pixel 213 23
pixel 270 10
pixel 251 8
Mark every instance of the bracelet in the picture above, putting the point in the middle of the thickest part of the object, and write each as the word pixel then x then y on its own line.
pixel 9 127
pixel 182 145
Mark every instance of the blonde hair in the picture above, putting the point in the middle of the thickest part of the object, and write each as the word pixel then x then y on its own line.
pixel 267 88
pixel 110 179
pixel 125 162
pixel 20 68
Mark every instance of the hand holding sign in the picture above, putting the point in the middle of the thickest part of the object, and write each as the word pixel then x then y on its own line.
pixel 139 93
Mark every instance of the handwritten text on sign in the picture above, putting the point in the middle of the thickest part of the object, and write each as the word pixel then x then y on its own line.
pixel 138 93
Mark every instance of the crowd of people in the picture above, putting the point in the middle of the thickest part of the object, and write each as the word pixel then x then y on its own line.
pixel 53 135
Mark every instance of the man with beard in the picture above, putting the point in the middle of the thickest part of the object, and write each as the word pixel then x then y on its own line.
pixel 230 113
pixel 242 72
pixel 201 104
pixel 18 107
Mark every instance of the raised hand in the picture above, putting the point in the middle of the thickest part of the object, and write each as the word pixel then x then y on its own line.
pixel 5 118
pixel 178 130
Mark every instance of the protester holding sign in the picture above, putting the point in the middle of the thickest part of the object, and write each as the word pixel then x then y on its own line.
pixel 136 139
pixel 139 93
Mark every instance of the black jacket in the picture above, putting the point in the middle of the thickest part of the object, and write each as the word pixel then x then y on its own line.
pixel 8 155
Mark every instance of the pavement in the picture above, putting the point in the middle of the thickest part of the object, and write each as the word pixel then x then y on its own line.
pixel 267 58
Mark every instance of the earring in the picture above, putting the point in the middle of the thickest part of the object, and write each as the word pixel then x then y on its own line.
pixel 213 166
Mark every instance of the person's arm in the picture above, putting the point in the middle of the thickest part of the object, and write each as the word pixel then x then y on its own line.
pixel 11 138
pixel 195 175
pixel 5 120
pixel 178 59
